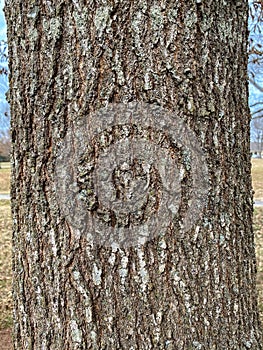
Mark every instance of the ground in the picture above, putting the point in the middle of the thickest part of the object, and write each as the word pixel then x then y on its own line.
pixel 5 276
pixel 4 178
pixel 5 251
pixel 257 178
pixel 6 339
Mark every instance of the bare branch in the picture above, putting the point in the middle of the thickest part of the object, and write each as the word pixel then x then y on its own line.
pixel 256 112
pixel 260 88
pixel 257 103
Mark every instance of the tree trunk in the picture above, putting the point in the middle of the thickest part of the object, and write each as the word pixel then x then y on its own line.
pixel 179 65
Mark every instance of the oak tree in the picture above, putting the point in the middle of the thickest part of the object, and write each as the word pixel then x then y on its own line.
pixel 180 68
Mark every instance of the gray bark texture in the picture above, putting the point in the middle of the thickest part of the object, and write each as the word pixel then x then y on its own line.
pixel 181 290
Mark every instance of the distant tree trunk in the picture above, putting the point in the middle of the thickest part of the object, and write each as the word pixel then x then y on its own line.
pixel 257 133
pixel 185 289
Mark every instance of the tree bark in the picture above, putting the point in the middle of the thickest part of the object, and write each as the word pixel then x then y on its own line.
pixel 185 289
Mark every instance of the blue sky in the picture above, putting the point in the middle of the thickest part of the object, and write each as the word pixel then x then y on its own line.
pixel 2 22
pixel 4 107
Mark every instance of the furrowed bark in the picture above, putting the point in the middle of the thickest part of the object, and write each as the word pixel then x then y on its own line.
pixel 193 290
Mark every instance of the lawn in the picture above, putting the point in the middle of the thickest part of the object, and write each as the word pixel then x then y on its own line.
pixel 257 178
pixel 5 265
pixel 5 243
pixel 4 178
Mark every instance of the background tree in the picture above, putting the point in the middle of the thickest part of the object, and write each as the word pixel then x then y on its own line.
pixel 257 134
pixel 185 289
pixel 5 144
pixel 255 63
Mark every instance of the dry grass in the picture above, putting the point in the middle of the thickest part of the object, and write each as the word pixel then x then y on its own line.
pixel 5 178
pixel 5 265
pixel 257 178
